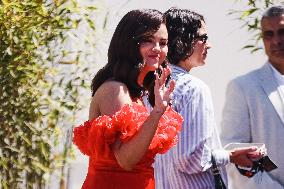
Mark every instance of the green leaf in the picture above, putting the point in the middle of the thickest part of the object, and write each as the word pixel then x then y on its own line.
pixel 248 12
pixel 92 8
pixel 12 149
pixel 40 166
pixel 39 93
pixel 91 23
pixel 255 49
pixel 26 140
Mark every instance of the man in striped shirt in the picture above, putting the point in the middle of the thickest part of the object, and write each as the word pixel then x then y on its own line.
pixel 188 164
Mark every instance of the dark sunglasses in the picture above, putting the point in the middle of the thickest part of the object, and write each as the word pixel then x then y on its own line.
pixel 203 38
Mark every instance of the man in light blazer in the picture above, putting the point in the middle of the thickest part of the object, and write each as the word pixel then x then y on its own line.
pixel 254 107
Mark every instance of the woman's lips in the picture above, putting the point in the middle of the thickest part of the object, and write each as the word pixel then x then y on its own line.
pixel 153 56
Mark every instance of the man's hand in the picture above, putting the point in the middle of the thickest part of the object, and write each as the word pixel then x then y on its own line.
pixel 244 156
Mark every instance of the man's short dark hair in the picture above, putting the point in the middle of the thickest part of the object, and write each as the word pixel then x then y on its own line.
pixel 273 11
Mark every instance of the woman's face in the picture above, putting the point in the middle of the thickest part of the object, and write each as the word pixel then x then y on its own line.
pixel 201 45
pixel 154 49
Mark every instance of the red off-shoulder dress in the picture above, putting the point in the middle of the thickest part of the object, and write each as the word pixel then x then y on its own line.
pixel 95 137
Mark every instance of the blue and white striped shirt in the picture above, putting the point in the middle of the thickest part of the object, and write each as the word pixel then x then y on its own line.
pixel 188 164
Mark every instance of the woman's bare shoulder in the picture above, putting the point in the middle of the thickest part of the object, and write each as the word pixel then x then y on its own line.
pixel 113 86
pixel 110 97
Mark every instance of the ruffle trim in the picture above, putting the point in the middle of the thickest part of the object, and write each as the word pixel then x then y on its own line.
pixel 124 124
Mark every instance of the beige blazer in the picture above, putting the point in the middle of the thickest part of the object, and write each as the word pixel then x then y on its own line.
pixel 254 112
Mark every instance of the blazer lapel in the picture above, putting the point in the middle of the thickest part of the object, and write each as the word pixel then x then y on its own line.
pixel 270 86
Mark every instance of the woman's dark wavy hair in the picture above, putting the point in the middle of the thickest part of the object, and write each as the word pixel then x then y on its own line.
pixel 183 26
pixel 124 58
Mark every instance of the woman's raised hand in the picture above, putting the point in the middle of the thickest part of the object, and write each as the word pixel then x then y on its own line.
pixel 163 94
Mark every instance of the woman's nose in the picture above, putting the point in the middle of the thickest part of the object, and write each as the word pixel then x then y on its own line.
pixel 156 47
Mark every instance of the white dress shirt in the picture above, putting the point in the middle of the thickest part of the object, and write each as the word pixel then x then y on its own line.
pixel 187 165
pixel 280 80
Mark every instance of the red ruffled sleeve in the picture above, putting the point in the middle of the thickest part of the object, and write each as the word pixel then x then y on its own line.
pixel 129 119
pixel 166 135
pixel 101 133
pixel 98 134
pixel 81 135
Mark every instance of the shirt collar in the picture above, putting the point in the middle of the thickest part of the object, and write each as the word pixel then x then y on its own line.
pixel 277 75
pixel 178 69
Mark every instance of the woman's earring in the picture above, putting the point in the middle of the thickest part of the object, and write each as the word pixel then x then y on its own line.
pixel 139 66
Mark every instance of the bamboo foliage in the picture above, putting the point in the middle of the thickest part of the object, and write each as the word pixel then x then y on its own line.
pixel 250 20
pixel 40 82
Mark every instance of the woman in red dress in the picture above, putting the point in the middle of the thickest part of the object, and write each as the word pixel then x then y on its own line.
pixel 122 136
